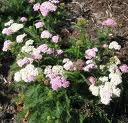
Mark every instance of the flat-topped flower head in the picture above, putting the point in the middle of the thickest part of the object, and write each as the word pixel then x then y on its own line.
pixel 47 7
pixel 14 27
pixel 23 19
pixel 27 74
pixel 56 39
pixel 7 45
pixel 36 6
pixel 109 22
pixel 24 61
pixel 91 53
pixel 7 31
pixel 43 48
pixel 124 68
pixel 92 80
pixel 114 45
pixel 46 34
pixel 20 38
pixel 9 23
pixel 39 24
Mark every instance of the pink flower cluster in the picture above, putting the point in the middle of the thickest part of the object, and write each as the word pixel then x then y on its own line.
pixel 46 34
pixel 39 24
pixel 25 61
pixel 55 39
pixel 91 53
pixel 45 7
pixel 59 82
pixel 23 19
pixel 56 76
pixel 124 68
pixel 68 64
pixel 36 54
pixel 36 6
pixel 7 45
pixel 92 80
pixel 109 22
pixel 7 31
pixel 59 52
pixel 89 67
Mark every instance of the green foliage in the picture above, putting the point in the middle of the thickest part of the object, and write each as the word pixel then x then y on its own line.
pixel 45 105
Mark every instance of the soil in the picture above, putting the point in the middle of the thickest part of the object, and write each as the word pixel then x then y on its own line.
pixel 98 10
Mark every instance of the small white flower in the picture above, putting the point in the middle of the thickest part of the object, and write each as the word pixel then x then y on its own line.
pixel 58 69
pixel 28 48
pixel 114 45
pixel 17 77
pixel 117 61
pixel 16 27
pixel 19 38
pixel 116 92
pixel 116 78
pixel 48 70
pixel 102 67
pixel 8 23
pixel 65 60
pixel 46 34
pixel 29 42
pixel 113 68
pixel 104 79
pixel 106 93
pixel 89 61
pixel 94 89
pixel 29 73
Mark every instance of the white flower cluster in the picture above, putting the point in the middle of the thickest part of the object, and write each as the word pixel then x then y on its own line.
pixel 28 47
pixel 20 38
pixel 13 27
pixel 55 70
pixel 27 74
pixel 114 45
pixel 108 87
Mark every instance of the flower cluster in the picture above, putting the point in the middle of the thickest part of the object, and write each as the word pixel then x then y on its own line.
pixel 27 74
pixel 56 76
pixel 13 27
pixel 90 54
pixel 68 64
pixel 109 22
pixel 108 85
pixel 46 7
pixel 114 45
pixel 7 45
pixel 124 68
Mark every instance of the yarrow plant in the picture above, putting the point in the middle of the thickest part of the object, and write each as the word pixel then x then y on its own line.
pixel 58 75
